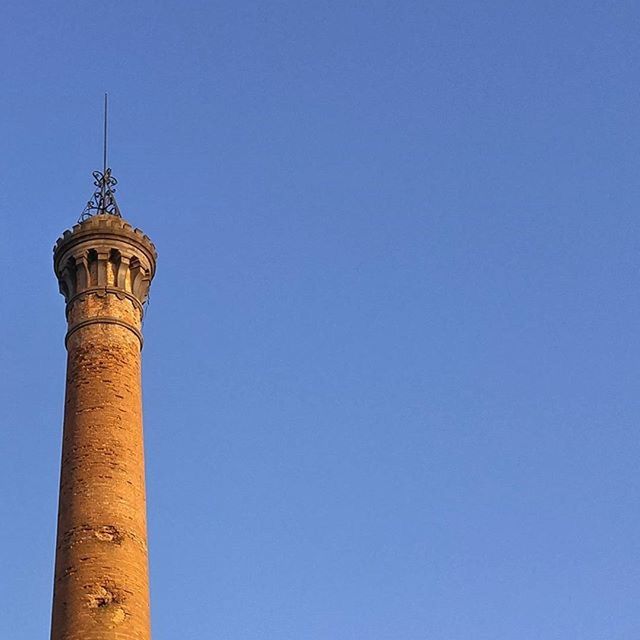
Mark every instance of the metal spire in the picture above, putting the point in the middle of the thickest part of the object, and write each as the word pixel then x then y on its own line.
pixel 106 120
pixel 103 200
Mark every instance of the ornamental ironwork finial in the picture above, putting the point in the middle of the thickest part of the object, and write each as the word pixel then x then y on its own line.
pixel 103 200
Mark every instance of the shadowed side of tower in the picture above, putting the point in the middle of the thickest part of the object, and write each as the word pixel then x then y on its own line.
pixel 101 588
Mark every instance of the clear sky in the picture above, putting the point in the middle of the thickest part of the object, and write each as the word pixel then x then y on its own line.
pixel 392 359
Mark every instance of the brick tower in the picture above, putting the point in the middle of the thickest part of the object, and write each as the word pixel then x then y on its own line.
pixel 104 267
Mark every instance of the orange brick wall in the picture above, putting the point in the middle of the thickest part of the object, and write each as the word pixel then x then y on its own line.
pixel 101 589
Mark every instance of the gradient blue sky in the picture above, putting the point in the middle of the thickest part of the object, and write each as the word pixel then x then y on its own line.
pixel 392 360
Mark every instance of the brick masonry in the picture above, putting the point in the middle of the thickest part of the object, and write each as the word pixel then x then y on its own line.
pixel 101 587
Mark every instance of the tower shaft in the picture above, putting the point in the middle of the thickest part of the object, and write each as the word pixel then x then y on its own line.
pixel 101 587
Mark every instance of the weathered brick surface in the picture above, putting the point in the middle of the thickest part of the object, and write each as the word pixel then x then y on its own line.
pixel 101 589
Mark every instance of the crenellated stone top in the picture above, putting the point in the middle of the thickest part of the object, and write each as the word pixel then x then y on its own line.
pixel 104 252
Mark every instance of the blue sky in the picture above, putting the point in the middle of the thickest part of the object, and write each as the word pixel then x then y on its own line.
pixel 391 369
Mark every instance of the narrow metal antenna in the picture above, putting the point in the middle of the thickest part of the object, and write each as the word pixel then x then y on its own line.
pixel 103 187
pixel 104 153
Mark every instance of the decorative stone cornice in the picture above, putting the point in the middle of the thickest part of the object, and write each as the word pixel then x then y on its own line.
pixel 104 253
pixel 100 292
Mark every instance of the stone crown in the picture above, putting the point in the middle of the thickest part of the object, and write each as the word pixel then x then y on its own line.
pixel 104 252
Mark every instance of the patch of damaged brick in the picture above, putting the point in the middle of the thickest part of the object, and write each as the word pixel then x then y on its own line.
pixel 109 533
pixel 103 594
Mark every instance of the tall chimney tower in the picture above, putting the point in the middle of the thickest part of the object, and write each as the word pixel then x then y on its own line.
pixel 104 267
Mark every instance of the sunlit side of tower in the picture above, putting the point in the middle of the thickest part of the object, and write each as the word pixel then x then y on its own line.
pixel 101 588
